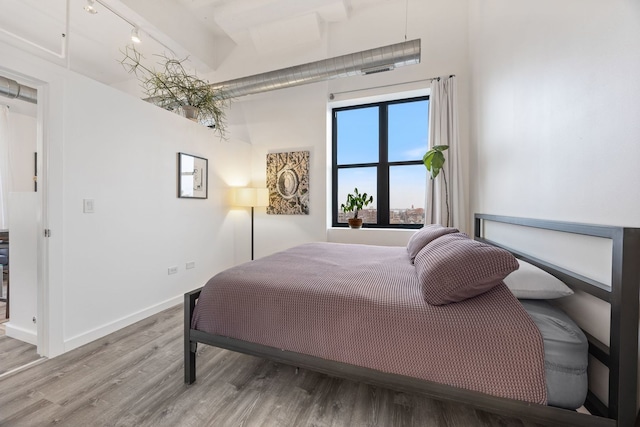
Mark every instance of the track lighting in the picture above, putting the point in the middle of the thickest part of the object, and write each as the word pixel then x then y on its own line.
pixel 90 8
pixel 134 35
pixel 135 29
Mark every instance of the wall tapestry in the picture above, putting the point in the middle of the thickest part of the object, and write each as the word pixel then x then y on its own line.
pixel 288 183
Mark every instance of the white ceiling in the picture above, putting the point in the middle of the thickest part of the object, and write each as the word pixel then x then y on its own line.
pixel 205 31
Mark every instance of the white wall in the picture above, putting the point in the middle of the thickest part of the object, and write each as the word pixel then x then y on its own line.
pixel 121 152
pixel 22 146
pixel 109 269
pixel 554 118
pixel 289 120
pixel 296 118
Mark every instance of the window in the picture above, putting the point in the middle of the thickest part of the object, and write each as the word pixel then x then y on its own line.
pixel 378 149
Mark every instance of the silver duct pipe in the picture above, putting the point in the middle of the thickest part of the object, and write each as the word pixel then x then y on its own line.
pixel 12 89
pixel 371 61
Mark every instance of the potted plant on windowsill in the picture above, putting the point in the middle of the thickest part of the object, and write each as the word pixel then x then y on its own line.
pixel 174 89
pixel 355 202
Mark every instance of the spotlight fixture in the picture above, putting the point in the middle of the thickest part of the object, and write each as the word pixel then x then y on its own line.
pixel 90 8
pixel 135 30
pixel 134 35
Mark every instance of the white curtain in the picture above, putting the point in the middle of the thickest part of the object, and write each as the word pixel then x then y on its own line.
pixel 443 130
pixel 5 173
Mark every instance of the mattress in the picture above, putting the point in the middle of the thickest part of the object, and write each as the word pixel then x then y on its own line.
pixel 565 354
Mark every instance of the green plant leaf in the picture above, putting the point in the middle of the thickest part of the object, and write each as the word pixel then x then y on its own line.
pixel 434 159
pixel 427 159
pixel 438 160
pixel 356 201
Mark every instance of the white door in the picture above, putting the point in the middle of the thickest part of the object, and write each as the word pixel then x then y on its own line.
pixel 23 238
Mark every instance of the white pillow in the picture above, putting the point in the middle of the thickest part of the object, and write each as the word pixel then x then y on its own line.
pixel 530 282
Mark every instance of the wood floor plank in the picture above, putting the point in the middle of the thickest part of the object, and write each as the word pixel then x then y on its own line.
pixel 134 377
pixel 30 414
pixel 270 382
pixel 367 406
pixel 403 410
pixel 15 353
pixel 286 398
pixel 429 412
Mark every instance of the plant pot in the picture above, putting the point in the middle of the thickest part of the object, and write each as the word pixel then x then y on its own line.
pixel 355 222
pixel 190 112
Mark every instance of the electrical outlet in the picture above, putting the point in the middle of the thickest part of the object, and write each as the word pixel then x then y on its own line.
pixel 172 270
pixel 190 265
pixel 88 206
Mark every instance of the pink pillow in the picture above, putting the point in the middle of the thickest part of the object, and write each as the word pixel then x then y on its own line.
pixel 423 236
pixel 453 268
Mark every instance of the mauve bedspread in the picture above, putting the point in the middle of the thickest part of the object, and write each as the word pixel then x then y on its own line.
pixel 363 305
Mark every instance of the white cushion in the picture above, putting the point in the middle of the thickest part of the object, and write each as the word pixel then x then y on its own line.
pixel 531 282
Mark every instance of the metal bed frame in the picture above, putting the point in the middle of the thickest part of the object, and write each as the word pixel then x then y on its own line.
pixel 621 356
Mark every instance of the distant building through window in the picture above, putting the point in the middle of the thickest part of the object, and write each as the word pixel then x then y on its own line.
pixel 378 149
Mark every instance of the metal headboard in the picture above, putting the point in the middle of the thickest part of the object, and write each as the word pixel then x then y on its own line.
pixel 621 356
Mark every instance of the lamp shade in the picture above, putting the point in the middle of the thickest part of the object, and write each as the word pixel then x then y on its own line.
pixel 251 197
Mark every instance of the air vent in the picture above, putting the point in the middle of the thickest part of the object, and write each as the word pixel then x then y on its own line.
pixel 375 70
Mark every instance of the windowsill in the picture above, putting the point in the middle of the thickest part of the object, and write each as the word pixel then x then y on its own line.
pixel 370 236
pixel 382 229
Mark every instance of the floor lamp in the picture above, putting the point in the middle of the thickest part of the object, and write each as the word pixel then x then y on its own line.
pixel 253 198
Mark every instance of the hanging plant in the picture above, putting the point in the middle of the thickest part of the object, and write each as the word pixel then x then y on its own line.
pixel 434 162
pixel 174 89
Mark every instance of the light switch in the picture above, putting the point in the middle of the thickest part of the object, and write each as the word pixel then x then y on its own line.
pixel 88 206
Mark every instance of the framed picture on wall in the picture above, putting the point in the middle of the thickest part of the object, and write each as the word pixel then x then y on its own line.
pixel 288 183
pixel 193 176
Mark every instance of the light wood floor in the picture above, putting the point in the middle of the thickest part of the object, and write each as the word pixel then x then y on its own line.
pixel 14 353
pixel 134 377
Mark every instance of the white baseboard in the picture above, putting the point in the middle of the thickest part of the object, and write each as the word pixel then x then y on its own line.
pixel 94 334
pixel 21 334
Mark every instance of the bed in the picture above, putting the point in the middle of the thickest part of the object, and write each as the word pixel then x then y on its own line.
pixel 312 337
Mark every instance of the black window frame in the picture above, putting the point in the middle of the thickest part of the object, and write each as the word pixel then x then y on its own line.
pixel 382 165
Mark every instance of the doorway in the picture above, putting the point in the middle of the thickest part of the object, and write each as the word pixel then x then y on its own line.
pixel 22 213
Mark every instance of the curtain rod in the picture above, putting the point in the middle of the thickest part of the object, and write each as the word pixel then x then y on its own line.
pixel 333 94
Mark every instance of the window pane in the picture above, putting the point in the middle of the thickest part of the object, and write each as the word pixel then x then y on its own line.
pixel 357 136
pixel 408 130
pixel 365 180
pixel 407 186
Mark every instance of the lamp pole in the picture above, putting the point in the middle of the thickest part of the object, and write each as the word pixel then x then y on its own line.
pixel 251 233
pixel 251 198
